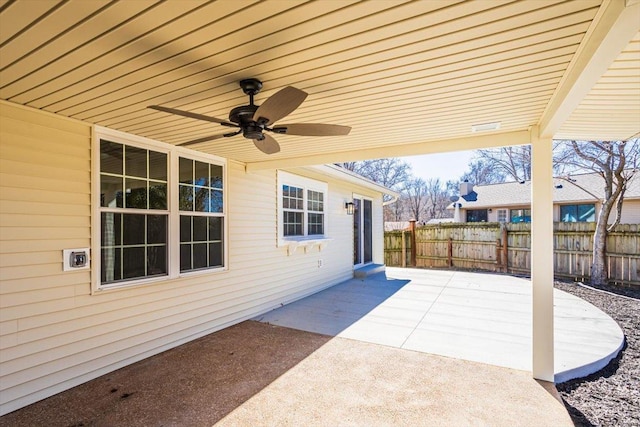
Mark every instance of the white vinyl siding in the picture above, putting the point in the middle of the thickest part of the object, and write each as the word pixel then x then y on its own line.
pixel 55 334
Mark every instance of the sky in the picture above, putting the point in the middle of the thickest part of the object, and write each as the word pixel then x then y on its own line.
pixel 446 166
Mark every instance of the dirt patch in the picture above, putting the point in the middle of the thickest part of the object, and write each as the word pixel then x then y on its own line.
pixel 611 396
pixel 195 384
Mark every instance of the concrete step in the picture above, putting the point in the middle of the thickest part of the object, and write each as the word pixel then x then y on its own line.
pixel 368 270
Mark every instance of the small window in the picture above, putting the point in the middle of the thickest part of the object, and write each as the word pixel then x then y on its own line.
pixel 201 220
pixel 301 205
pixel 477 215
pixel 520 215
pixel 502 215
pixel 578 213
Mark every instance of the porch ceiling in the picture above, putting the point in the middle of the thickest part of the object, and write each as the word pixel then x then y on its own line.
pixel 409 77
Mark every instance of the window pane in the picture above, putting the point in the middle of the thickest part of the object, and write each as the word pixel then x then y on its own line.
pixel 199 228
pixel 156 260
pixel 216 176
pixel 157 196
pixel 215 254
pixel 133 260
pixel 201 199
pixel 185 228
pixel 292 222
pixel 111 157
pixel 477 215
pixel 185 257
pixel 215 201
pixel 568 213
pixel 136 194
pixel 110 225
pixel 135 161
pixel 202 174
pixel 157 166
pixel 314 201
pixel 133 229
pixel 200 258
pixel 520 215
pixel 215 228
pixel 186 198
pixel 110 191
pixel 156 229
pixel 110 265
pixel 186 171
pixel 586 213
pixel 315 224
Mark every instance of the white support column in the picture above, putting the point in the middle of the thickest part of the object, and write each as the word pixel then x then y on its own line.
pixel 542 255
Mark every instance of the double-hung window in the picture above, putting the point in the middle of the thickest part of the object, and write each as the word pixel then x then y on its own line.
pixel 160 210
pixel 201 215
pixel 133 212
pixel 302 204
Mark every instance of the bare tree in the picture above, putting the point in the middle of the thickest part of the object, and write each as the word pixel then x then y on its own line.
pixel 506 162
pixel 393 173
pixel 616 162
pixel 415 194
pixel 482 172
pixel 437 198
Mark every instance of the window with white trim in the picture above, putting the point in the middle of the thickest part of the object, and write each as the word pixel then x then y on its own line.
pixel 133 212
pixel 201 215
pixel 161 210
pixel 301 207
pixel 502 215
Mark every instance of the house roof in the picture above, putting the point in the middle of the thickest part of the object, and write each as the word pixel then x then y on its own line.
pixel 410 77
pixel 574 188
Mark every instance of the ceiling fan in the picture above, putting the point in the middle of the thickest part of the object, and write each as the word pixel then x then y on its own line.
pixel 252 120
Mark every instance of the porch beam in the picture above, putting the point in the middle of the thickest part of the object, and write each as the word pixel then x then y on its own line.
pixel 542 256
pixel 615 24
pixel 428 147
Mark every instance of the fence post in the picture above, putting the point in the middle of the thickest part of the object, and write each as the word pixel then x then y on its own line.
pixel 412 229
pixel 450 251
pixel 505 248
pixel 403 263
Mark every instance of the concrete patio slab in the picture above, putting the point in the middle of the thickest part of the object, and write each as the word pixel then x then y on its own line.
pixel 471 316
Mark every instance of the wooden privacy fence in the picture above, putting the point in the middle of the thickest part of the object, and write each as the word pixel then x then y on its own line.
pixel 507 248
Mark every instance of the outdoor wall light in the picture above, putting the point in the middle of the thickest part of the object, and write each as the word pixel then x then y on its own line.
pixel 349 206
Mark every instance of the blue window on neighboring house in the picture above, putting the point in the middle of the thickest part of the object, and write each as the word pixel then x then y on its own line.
pixel 578 213
pixel 520 215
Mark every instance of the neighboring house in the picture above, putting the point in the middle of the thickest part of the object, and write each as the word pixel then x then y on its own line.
pixel 577 198
pixel 180 243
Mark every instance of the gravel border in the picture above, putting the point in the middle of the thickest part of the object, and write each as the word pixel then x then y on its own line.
pixel 611 396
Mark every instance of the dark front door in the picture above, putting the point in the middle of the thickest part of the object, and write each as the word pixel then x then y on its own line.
pixel 362 231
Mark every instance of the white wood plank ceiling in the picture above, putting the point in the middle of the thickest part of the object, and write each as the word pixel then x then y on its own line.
pixel 398 72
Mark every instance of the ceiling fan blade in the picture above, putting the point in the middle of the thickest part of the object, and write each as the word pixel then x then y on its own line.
pixel 312 129
pixel 203 139
pixel 191 115
pixel 279 105
pixel 268 145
